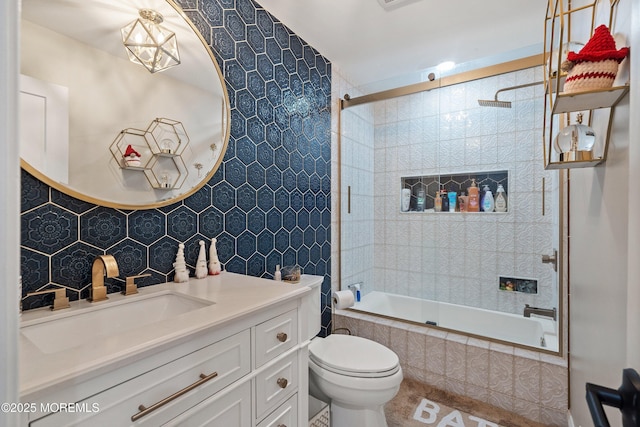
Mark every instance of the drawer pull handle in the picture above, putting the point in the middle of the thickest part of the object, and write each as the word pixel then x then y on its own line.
pixel 145 411
pixel 282 337
pixel 282 382
pixel 282 425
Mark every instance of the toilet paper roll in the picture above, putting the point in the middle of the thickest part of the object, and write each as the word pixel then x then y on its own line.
pixel 342 299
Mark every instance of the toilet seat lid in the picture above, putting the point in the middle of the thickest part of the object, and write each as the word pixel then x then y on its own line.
pixel 353 356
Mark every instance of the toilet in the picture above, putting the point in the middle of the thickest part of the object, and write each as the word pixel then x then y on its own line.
pixel 355 375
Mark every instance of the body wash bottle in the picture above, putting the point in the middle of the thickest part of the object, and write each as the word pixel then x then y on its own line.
pixel 501 199
pixel 437 204
pixel 487 201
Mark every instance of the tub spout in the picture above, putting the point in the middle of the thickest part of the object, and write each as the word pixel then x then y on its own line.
pixel 548 312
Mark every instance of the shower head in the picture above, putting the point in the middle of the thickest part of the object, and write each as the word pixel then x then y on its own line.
pixel 494 103
pixel 503 104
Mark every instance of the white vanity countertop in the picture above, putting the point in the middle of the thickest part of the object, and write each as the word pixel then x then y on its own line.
pixel 234 296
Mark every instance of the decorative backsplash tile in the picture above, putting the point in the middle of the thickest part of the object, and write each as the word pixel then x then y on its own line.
pixel 268 203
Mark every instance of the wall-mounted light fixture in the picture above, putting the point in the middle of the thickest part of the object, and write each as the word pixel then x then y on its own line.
pixel 150 44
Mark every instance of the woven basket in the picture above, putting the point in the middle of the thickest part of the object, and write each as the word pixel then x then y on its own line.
pixel 585 76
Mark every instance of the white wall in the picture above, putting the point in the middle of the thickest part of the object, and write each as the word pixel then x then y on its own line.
pixel 604 250
pixel 633 297
pixel 9 214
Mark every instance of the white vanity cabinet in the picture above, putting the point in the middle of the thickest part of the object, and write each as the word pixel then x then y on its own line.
pixel 248 372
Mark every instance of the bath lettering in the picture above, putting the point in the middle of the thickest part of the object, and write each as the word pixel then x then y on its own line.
pixel 427 412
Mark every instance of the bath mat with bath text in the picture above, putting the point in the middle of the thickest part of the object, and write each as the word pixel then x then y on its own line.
pixel 420 405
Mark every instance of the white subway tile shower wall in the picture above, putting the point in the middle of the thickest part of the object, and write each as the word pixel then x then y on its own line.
pixel 457 257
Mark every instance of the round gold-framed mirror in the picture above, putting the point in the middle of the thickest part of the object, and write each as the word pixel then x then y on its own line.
pixel 106 130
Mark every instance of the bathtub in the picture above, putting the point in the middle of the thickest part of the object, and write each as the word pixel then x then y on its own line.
pixel 534 331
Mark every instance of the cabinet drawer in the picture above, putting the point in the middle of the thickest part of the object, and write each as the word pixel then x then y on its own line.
pixel 285 416
pixel 229 359
pixel 233 409
pixel 275 384
pixel 275 336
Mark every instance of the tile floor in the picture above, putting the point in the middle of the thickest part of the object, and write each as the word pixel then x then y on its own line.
pixel 420 405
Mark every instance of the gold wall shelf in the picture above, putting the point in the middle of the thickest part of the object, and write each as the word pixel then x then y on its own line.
pixel 570 164
pixel 160 146
pixel 598 105
pixel 591 100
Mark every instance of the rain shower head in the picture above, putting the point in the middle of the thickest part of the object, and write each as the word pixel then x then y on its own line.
pixel 503 104
pixel 494 103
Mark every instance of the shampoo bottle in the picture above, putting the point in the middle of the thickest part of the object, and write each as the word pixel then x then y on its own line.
pixel 487 201
pixel 501 199
pixel 420 200
pixel 445 201
pixel 473 202
pixel 278 274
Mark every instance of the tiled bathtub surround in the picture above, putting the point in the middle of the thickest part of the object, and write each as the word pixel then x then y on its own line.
pixel 269 203
pixel 450 258
pixel 531 384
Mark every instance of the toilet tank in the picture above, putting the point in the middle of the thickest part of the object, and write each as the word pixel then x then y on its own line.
pixel 311 307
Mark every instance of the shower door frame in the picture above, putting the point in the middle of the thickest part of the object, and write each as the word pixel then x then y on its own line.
pixel 493 70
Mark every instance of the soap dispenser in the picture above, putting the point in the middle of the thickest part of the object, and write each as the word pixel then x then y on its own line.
pixel 473 200
pixel 501 199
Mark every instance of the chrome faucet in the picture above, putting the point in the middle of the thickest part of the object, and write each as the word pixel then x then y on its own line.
pixel 103 265
pixel 548 312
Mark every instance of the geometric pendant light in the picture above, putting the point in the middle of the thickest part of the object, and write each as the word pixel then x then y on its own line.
pixel 149 44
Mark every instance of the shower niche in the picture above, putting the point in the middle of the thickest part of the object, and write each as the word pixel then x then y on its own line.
pixel 458 183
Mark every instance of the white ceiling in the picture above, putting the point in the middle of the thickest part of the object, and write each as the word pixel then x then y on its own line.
pixel 371 44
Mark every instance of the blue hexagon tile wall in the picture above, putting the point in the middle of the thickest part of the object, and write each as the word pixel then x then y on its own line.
pixel 269 203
